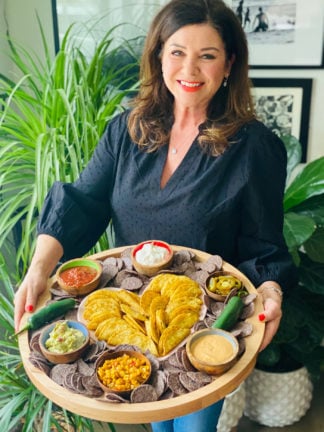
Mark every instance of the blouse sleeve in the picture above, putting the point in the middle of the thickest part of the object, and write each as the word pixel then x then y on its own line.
pixel 76 214
pixel 262 248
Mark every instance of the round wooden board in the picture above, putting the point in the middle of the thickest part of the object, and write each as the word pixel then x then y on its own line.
pixel 153 411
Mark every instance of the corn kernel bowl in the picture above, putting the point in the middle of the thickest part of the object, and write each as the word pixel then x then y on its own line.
pixel 121 371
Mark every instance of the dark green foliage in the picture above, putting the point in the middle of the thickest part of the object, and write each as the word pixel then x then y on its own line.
pixel 301 330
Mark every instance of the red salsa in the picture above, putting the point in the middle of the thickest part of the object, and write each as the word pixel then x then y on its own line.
pixel 78 276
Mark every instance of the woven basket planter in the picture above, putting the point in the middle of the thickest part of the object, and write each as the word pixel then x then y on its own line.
pixel 232 410
pixel 278 399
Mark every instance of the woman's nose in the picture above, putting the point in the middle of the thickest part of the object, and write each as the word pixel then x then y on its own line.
pixel 191 66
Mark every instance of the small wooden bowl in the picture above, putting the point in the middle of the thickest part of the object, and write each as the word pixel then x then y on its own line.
pixel 196 355
pixel 70 356
pixel 76 289
pixel 153 269
pixel 114 355
pixel 220 297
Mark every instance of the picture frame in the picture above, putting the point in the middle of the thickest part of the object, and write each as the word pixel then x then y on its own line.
pixel 288 34
pixel 55 26
pixel 283 105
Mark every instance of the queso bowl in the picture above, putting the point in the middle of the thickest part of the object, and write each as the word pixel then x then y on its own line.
pixel 84 276
pixel 212 356
pixel 152 269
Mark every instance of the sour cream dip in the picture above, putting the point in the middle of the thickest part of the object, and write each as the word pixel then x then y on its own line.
pixel 151 254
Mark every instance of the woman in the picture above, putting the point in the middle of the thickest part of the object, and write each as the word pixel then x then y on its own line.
pixel 189 164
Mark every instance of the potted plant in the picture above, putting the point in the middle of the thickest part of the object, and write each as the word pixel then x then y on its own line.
pixel 296 351
pixel 50 121
pixel 22 406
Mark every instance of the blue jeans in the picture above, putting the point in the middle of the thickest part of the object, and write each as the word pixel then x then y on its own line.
pixel 204 420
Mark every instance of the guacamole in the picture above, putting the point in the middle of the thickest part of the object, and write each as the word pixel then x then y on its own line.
pixel 63 339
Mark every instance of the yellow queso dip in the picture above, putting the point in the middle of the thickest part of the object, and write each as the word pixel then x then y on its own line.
pixel 212 349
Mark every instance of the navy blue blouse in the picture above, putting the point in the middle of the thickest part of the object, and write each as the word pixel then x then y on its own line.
pixel 229 205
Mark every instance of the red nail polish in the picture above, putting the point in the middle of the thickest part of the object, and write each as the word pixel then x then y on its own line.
pixel 30 308
pixel 261 317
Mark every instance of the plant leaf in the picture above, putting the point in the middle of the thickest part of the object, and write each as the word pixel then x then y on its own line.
pixel 309 182
pixel 311 276
pixel 312 207
pixel 51 121
pixel 297 229
pixel 294 153
pixel 314 246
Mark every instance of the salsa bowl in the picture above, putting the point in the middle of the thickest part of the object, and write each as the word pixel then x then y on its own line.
pixel 79 276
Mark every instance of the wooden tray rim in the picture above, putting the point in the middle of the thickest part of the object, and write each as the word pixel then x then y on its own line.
pixel 153 411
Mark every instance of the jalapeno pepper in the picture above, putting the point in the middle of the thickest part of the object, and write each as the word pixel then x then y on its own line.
pixel 230 314
pixel 48 313
pixel 223 284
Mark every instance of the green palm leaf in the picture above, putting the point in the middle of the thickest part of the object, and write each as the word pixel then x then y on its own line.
pixel 52 120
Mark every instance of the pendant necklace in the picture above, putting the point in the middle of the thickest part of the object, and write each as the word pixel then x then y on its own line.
pixel 184 140
pixel 175 150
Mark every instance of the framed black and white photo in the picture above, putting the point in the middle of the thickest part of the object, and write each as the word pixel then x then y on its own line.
pixel 282 33
pixel 283 105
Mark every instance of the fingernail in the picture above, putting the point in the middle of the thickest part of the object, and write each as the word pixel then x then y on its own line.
pixel 29 308
pixel 261 317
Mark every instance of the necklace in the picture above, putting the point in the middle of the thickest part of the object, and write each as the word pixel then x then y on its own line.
pixel 175 149
pixel 182 141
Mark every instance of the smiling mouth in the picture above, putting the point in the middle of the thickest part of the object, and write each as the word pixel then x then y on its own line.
pixel 190 84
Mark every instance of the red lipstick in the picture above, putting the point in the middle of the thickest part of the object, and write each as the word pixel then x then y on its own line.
pixel 190 86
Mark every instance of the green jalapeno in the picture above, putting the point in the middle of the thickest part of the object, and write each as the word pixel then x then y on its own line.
pixel 223 284
pixel 230 314
pixel 48 313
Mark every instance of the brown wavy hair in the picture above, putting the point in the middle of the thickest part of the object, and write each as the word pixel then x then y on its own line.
pixel 151 118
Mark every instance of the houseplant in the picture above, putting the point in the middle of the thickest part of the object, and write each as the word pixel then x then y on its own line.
pixel 22 406
pixel 50 121
pixel 297 347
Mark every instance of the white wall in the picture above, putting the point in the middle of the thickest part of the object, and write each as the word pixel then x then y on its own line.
pixel 4 61
pixel 23 27
pixel 21 16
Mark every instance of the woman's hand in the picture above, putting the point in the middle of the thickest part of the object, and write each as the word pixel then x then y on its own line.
pixel 27 295
pixel 272 298
pixel 47 254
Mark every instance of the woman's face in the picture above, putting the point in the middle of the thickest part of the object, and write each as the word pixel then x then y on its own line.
pixel 194 65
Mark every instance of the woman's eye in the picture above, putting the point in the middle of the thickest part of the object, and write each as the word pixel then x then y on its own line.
pixel 208 56
pixel 176 53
